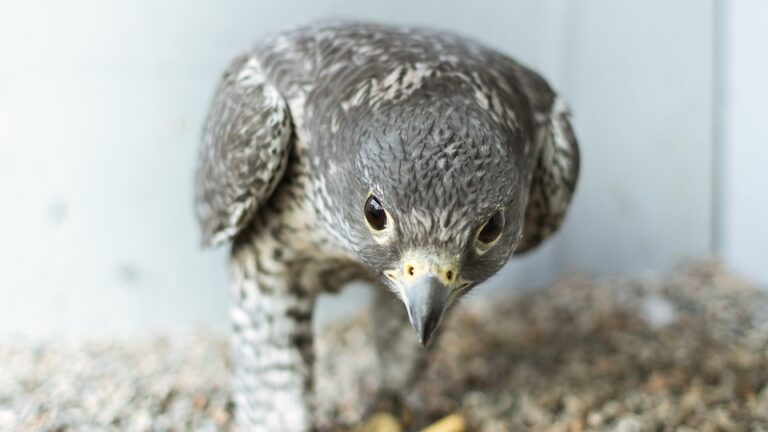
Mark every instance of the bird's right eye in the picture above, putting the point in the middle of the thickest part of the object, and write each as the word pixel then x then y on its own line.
pixel 375 214
pixel 491 231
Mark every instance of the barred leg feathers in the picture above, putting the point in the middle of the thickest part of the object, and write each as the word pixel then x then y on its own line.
pixel 272 353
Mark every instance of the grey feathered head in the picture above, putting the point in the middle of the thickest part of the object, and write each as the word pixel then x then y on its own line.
pixel 434 198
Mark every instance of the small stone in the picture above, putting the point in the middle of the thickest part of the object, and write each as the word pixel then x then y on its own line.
pixel 595 419
pixel 579 355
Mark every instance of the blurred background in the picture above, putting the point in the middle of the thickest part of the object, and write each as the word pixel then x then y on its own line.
pixel 101 107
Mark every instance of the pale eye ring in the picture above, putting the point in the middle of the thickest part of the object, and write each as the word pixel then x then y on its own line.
pixel 492 229
pixel 375 214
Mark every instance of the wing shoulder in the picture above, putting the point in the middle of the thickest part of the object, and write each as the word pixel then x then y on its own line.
pixel 555 151
pixel 555 172
pixel 244 152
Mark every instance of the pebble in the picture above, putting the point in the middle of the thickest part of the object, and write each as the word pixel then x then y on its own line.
pixel 581 355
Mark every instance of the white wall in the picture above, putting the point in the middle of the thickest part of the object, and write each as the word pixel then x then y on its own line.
pixel 744 223
pixel 101 105
pixel 638 76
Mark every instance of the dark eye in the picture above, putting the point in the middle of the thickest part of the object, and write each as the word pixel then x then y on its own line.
pixel 492 229
pixel 375 214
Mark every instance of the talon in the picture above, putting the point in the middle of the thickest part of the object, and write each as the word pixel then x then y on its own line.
pixel 451 423
pixel 381 422
pixel 390 403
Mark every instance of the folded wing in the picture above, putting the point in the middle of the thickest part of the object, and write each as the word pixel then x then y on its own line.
pixel 245 150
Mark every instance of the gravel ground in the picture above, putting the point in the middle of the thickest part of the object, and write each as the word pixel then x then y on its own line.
pixel 688 352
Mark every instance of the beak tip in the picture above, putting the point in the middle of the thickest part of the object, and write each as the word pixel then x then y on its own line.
pixel 423 341
pixel 425 303
pixel 425 335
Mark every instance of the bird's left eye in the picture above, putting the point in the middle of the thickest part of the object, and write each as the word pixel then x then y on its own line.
pixel 492 229
pixel 375 214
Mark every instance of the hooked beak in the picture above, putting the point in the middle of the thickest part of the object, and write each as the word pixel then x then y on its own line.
pixel 425 300
pixel 425 283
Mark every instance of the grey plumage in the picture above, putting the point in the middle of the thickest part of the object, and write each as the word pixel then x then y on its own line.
pixel 245 150
pixel 444 133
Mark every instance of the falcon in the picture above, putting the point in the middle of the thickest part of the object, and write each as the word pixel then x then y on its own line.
pixel 415 159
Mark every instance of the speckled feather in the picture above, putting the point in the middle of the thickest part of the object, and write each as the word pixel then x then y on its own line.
pixel 310 122
pixel 245 148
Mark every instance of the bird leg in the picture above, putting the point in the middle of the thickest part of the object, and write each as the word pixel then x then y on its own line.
pixel 401 357
pixel 272 347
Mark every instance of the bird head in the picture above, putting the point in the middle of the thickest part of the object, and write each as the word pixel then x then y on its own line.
pixel 434 202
